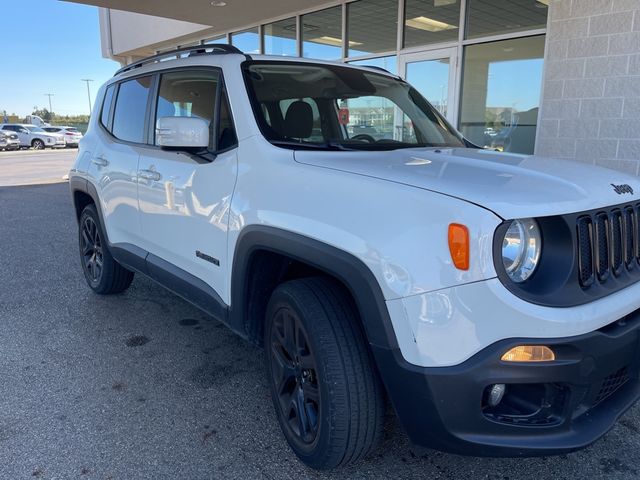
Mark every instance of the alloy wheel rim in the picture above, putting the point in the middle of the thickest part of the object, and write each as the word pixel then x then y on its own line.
pixel 294 375
pixel 92 254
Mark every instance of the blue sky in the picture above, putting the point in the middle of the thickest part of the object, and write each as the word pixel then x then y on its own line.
pixel 49 46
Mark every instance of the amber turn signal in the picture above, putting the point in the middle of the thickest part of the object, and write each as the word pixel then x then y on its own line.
pixel 529 353
pixel 459 245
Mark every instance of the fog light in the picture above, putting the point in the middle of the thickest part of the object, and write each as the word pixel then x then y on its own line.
pixel 496 394
pixel 529 353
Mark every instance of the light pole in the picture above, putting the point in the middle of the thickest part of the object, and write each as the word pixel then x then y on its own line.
pixel 50 95
pixel 87 80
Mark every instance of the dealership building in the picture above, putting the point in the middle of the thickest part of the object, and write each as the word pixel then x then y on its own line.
pixel 559 78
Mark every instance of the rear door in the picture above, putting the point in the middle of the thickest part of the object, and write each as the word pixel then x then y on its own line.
pixel 114 159
pixel 184 197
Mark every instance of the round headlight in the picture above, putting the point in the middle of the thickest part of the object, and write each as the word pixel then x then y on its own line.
pixel 521 248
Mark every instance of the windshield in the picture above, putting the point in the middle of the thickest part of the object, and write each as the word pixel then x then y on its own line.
pixel 304 105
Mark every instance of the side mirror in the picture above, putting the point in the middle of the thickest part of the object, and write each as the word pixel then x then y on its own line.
pixel 182 132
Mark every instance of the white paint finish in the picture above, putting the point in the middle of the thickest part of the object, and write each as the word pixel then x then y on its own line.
pixel 448 326
pixel 113 170
pixel 186 209
pixel 398 231
pixel 511 185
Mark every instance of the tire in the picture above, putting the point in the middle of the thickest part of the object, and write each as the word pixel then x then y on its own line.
pixel 37 144
pixel 101 271
pixel 317 358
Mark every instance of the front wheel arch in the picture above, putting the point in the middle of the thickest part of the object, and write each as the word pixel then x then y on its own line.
pixel 350 271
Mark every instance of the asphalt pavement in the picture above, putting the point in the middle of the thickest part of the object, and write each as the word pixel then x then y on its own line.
pixel 29 167
pixel 142 385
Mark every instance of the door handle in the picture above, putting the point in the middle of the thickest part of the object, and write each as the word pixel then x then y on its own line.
pixel 149 175
pixel 100 161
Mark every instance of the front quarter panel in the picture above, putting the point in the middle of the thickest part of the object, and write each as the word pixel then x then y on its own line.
pixel 399 232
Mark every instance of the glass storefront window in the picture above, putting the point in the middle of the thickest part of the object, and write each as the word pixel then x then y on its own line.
pixel 494 17
pixel 322 34
pixel 390 63
pixel 218 39
pixel 372 26
pixel 247 40
pixel 501 93
pixel 430 21
pixel 280 38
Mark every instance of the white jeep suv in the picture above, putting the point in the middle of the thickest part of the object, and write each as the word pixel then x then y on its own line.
pixel 493 298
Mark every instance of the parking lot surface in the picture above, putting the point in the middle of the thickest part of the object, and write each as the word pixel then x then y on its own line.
pixel 142 385
pixel 28 167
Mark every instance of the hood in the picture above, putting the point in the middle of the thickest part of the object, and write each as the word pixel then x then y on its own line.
pixel 510 185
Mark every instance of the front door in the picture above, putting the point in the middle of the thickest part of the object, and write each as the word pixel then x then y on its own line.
pixel 433 74
pixel 184 197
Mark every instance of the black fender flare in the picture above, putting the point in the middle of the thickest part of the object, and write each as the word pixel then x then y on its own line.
pixel 350 270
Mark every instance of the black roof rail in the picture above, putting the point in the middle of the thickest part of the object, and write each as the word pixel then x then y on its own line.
pixel 208 49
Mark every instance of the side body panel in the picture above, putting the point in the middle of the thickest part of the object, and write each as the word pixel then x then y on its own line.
pixel 399 232
pixel 185 212
pixel 113 168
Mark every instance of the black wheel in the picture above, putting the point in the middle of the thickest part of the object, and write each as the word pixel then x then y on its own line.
pixel 103 274
pixel 324 386
pixel 37 144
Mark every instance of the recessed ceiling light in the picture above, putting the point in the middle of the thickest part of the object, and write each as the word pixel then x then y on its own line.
pixel 428 24
pixel 336 42
pixel 217 3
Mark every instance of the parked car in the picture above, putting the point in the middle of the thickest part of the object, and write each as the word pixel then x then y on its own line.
pixel 493 298
pixel 9 141
pixel 34 137
pixel 71 135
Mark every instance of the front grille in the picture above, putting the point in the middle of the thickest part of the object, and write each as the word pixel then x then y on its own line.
pixel 611 384
pixel 608 243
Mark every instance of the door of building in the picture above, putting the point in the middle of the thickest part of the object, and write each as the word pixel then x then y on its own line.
pixel 434 74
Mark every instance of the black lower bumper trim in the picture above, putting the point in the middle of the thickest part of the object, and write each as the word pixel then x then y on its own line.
pixel 593 381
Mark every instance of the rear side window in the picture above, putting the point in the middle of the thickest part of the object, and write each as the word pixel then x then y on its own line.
pixel 131 109
pixel 106 106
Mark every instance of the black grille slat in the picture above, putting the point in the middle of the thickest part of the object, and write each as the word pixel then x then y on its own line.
pixel 637 231
pixel 608 244
pixel 629 237
pixel 602 246
pixel 616 241
pixel 585 251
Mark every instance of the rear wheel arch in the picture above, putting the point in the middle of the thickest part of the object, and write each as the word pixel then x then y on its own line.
pixel 266 256
pixel 84 193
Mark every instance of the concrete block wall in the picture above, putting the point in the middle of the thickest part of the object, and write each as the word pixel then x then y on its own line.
pixel 590 106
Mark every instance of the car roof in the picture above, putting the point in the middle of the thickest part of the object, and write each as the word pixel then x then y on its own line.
pixel 229 60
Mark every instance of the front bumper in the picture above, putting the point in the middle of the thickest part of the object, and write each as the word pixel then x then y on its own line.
pixel 10 145
pixel 560 406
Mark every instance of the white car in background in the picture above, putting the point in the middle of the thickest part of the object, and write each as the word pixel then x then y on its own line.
pixel 34 137
pixel 9 141
pixel 71 135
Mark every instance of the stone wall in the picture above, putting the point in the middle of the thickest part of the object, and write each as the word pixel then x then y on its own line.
pixel 590 107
